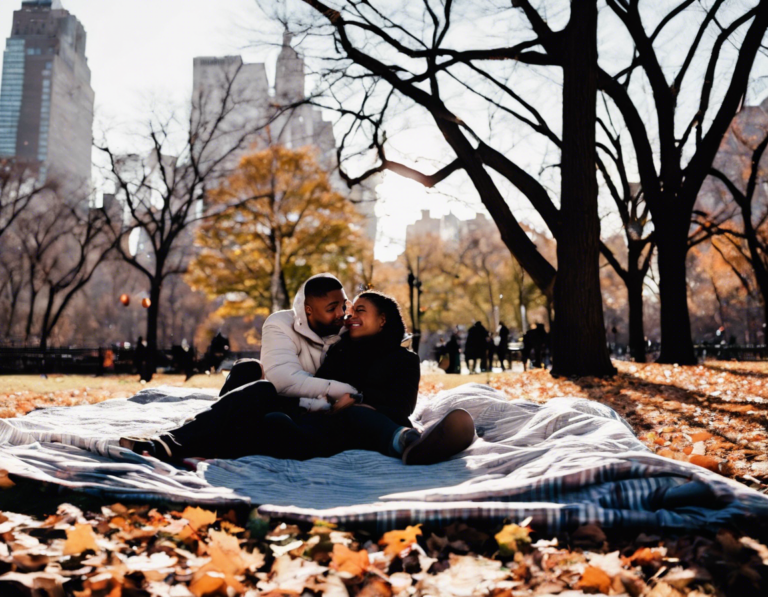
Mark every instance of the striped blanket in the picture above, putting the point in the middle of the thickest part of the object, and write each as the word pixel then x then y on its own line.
pixel 567 462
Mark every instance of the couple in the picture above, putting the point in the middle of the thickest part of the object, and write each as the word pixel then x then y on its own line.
pixel 335 381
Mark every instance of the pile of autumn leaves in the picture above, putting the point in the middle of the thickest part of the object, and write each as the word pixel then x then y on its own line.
pixel 139 551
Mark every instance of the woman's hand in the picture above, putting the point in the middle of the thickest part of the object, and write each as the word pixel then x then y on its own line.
pixel 344 402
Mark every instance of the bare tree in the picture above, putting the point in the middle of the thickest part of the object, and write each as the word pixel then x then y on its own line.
pixel 686 144
pixel 376 48
pixel 18 186
pixel 63 245
pixel 163 193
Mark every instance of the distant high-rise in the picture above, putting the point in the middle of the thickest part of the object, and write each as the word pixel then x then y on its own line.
pixel 46 100
pixel 252 117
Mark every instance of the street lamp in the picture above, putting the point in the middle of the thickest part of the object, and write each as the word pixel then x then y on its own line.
pixel 415 283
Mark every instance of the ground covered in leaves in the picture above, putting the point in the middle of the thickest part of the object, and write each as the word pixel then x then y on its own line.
pixel 140 551
pixel 713 415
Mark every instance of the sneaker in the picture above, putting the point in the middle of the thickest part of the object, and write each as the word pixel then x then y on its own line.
pixel 452 434
pixel 406 438
pixel 148 447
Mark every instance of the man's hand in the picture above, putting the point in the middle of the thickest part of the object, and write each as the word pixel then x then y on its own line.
pixel 343 402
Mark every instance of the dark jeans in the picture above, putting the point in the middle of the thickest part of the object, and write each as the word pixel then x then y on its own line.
pixel 256 420
pixel 235 426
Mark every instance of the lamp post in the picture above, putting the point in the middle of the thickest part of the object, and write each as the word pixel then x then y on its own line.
pixel 414 283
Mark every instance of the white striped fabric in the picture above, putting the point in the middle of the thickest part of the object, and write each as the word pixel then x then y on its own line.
pixel 567 462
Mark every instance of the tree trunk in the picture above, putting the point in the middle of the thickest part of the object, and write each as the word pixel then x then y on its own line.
pixel 676 341
pixel 578 335
pixel 45 327
pixel 636 326
pixel 277 287
pixel 153 312
pixel 634 282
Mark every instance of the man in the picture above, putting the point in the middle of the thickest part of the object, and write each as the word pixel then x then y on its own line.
pixel 294 342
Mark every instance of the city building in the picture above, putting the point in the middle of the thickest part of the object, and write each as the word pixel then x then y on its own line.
pixel 449 228
pixel 254 116
pixel 46 99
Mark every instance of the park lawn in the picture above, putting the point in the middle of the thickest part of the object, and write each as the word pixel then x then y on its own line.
pixel 714 415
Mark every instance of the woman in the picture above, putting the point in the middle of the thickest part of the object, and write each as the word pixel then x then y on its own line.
pixel 370 358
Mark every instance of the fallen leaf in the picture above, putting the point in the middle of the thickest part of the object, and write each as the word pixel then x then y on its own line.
pixel 594 580
pixel 375 587
pixel 198 518
pixel 208 584
pixel 511 538
pixel 354 563
pixel 5 481
pixel 707 462
pixel 80 539
pixel 701 436
pixel 44 584
pixel 396 541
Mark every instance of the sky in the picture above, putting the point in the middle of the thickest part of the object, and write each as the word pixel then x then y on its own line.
pixel 140 52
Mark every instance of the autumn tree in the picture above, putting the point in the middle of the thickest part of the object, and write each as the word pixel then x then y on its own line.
pixel 409 56
pixel 279 221
pixel 467 278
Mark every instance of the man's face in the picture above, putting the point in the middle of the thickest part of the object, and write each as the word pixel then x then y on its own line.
pixel 325 314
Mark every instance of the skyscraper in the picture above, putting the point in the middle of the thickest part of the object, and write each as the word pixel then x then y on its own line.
pixel 46 100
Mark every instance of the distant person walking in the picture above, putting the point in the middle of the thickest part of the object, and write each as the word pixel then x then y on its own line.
pixel 454 353
pixel 475 346
pixel 502 350
pixel 534 344
pixel 140 357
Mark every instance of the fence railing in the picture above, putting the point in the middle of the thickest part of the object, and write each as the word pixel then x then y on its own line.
pixel 97 361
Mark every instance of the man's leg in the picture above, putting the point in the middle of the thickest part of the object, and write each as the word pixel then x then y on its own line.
pixel 233 427
pixel 244 371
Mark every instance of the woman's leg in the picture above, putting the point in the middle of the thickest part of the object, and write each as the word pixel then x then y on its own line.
pixel 361 428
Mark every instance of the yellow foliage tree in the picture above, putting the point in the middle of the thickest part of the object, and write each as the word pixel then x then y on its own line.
pixel 281 223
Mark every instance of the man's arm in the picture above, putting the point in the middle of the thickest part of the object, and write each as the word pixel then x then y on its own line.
pixel 282 367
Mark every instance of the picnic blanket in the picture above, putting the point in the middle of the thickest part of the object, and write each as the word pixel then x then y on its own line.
pixel 565 463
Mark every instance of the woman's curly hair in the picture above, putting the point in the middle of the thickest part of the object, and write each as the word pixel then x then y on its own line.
pixel 394 328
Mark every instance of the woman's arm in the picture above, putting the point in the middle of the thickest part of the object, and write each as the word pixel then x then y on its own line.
pixel 394 387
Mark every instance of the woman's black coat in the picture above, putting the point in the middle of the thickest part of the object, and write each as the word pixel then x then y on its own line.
pixel 387 376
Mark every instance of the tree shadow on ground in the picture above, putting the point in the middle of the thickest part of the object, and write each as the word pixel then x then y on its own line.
pixel 734 371
pixel 664 396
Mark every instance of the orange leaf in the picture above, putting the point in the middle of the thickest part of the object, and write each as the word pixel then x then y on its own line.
pixel 5 482
pixel 644 556
pixel 707 462
pixel 79 539
pixel 198 517
pixel 700 436
pixel 396 541
pixel 659 442
pixel 594 580
pixel 687 450
pixel 344 559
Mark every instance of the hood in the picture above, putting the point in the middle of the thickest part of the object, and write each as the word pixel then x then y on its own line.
pixel 300 323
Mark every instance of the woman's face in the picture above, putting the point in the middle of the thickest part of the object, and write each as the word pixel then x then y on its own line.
pixel 365 319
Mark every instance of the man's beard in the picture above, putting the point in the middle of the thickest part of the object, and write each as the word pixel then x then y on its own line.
pixel 330 329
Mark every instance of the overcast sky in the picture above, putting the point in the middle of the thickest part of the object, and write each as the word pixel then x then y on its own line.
pixel 141 51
